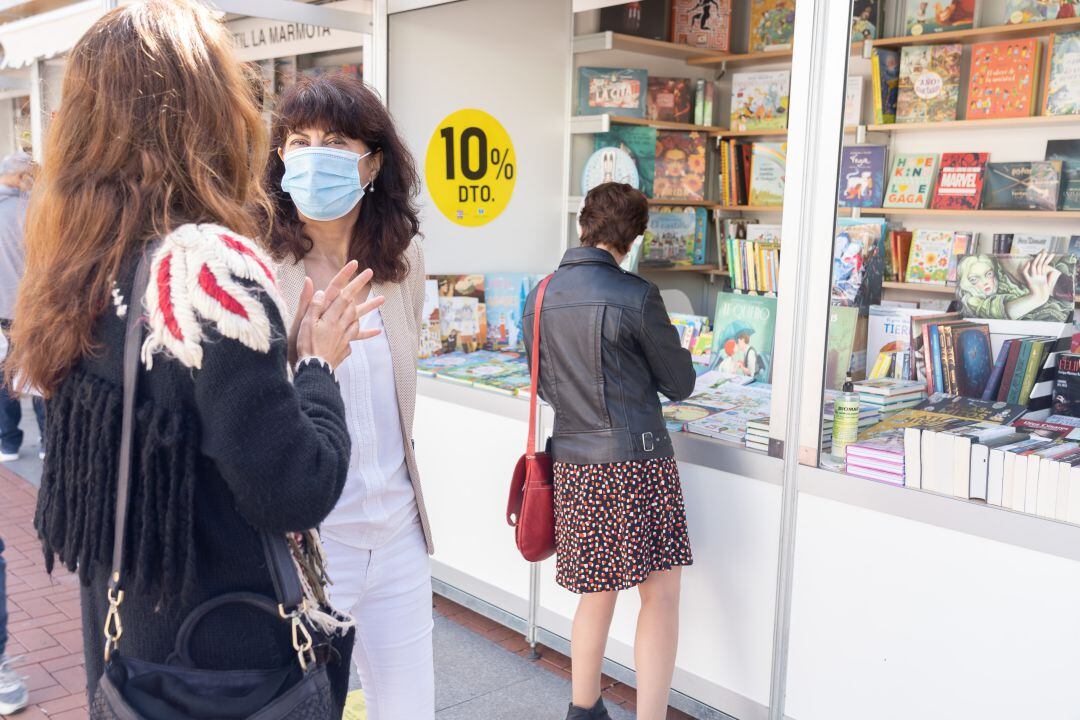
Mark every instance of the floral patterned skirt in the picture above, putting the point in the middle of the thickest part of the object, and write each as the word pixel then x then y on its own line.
pixel 615 523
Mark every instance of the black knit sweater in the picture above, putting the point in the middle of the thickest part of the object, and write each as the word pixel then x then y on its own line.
pixel 220 450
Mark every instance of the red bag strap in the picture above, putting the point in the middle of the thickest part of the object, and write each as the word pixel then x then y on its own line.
pixel 530 451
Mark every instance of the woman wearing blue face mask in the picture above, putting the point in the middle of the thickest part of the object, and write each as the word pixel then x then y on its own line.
pixel 345 190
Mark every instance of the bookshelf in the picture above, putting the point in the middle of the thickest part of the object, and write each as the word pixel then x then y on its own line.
pixel 988 214
pixel 751 208
pixel 589 124
pixel 1033 122
pixel 983 34
pixel 706 269
pixel 723 133
pixel 599 42
pixel 920 287
pixel 742 59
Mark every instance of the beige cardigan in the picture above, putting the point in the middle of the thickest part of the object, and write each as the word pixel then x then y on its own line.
pixel 401 315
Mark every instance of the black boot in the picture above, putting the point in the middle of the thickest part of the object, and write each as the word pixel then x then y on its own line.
pixel 598 712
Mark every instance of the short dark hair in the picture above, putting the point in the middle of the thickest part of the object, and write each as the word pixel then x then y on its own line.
pixel 343 104
pixel 614 215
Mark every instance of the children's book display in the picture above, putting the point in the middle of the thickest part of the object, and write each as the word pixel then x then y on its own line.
pixel 753 260
pixel 929 83
pixel 675 236
pixel 759 100
pixel 911 181
pixel 680 166
pixel 853 101
pixel 1026 11
pixel 768 167
pixel 637 143
pixel 743 330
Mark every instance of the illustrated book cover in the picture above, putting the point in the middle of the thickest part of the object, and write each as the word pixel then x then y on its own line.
pixel 644 18
pixel 885 78
pixel 1068 152
pixel 743 330
pixel 670 99
pixel 866 17
pixel 612 90
pixel 768 167
pixel 839 345
pixel 911 181
pixel 930 256
pixel 772 24
pixel 858 262
pixel 504 300
pixel 929 83
pixel 972 358
pixel 759 100
pixel 680 164
pixel 862 176
pixel 1067 385
pixel 639 143
pixel 853 101
pixel 960 181
pixel 1062 92
pixel 1026 11
pixel 702 24
pixel 923 18
pixel 1032 185
pixel 675 236
pixel 1017 287
pixel 1004 79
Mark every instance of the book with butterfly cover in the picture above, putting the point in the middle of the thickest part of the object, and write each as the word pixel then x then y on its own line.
pixel 960 181
pixel 1004 79
pixel 1023 185
pixel 929 83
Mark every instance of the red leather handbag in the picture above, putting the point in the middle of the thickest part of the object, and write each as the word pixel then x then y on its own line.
pixel 530 509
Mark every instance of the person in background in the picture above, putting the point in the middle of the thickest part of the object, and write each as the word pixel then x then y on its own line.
pixel 16 179
pixel 607 347
pixel 13 693
pixel 346 188
pixel 158 151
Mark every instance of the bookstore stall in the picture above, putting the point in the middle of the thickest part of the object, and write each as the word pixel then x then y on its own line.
pixel 881 459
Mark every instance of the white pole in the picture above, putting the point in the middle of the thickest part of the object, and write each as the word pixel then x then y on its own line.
pixel 37 110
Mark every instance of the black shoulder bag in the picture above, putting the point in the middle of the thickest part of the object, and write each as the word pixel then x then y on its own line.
pixel 132 689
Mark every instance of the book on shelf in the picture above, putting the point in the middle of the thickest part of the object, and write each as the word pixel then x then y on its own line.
pixel 644 18
pixel 866 17
pixel 929 83
pixel 675 236
pixel 619 91
pixel 911 181
pixel 885 81
pixel 1068 152
pixel 922 366
pixel 862 176
pixel 858 262
pixel 1004 79
pixel 430 337
pixel 704 102
pixel 612 164
pixel 670 99
pixel 1026 11
pixel 759 100
pixel 1067 385
pixel 1061 94
pixel 680 166
pixel 853 101
pixel 772 24
pixel 1035 244
pixel 640 144
pixel 705 25
pixel 754 264
pixel 933 253
pixel 757 434
pixel 840 344
pixel 888 341
pixel 689 327
pixel 743 334
pixel 960 181
pixel 1034 185
pixel 898 248
pixel 768 166
pixel 879 458
pixel 925 18
pixel 504 300
pixel 736 169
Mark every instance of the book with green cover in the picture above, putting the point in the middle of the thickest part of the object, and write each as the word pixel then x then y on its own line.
pixel 640 144
pixel 1062 92
pixel 839 345
pixel 911 180
pixel 743 330
pixel 1022 361
pixel 1039 351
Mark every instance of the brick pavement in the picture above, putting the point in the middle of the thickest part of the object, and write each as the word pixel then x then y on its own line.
pixel 44 619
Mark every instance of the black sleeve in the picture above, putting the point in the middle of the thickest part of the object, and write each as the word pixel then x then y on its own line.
pixel 282 447
pixel 670 362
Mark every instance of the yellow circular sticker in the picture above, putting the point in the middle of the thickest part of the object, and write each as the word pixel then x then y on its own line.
pixel 470 167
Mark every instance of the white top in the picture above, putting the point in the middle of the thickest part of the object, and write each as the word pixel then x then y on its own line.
pixel 378 499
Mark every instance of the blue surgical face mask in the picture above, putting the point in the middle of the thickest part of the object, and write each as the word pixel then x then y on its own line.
pixel 324 183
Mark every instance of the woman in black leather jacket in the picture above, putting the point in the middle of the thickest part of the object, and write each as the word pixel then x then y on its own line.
pixel 607 348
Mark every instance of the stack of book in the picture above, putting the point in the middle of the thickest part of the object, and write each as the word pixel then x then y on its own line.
pixel 754 263
pixel 889 396
pixel 879 458
pixel 1024 369
pixel 757 435
pixel 752 173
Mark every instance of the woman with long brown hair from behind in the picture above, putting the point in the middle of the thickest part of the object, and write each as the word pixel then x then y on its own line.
pixel 158 141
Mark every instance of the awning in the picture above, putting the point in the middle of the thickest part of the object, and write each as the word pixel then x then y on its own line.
pixel 46 35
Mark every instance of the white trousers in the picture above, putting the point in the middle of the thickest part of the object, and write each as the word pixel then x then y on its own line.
pixel 388 591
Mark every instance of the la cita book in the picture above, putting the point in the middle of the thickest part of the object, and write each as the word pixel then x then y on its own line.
pixel 772 24
pixel 759 100
pixel 1032 185
pixel 911 181
pixel 702 24
pixel 862 176
pixel 611 90
pixel 885 66
pixel 670 99
pixel 923 18
pixel 960 181
pixel 929 83
pixel 1004 79
pixel 644 18
pixel 1062 92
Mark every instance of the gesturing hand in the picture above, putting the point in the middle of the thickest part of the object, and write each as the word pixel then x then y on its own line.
pixel 1040 276
pixel 328 320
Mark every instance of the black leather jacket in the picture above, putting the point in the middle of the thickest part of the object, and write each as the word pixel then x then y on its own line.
pixel 606 348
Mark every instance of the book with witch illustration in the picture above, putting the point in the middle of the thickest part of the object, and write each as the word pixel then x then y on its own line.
pixel 1017 287
pixel 743 329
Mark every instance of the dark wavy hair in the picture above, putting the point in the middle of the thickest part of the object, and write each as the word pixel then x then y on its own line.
pixel 614 215
pixel 341 103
